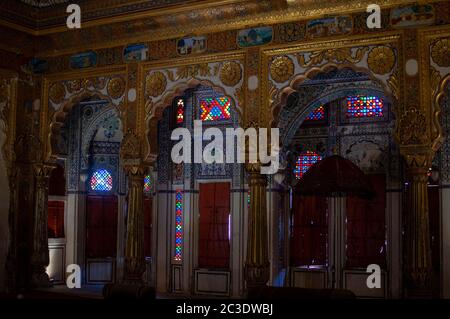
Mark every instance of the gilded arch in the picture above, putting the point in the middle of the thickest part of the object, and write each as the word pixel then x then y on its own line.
pixel 163 84
pixel 305 61
pixel 62 95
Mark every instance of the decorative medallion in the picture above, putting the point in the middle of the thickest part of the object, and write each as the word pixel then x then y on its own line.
pixel 57 92
pixel 281 69
pixel 156 84
pixel 116 87
pixel 230 73
pixel 381 60
pixel 440 52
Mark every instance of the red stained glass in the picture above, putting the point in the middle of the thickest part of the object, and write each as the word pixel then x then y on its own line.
pixel 180 111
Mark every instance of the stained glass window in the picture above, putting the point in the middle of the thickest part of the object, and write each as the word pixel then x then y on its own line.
pixel 304 162
pixel 248 199
pixel 364 106
pixel 178 225
pixel 317 115
pixel 101 180
pixel 213 109
pixel 147 184
pixel 180 111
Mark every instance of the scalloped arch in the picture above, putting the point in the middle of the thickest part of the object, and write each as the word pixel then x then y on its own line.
pixel 60 116
pixel 281 95
pixel 155 111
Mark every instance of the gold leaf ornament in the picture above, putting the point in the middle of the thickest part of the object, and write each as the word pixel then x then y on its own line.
pixel 381 60
pixel 282 69
pixel 57 92
pixel 440 52
pixel 230 73
pixel 156 84
pixel 116 87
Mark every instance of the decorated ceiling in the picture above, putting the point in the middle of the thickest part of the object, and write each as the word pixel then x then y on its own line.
pixel 43 3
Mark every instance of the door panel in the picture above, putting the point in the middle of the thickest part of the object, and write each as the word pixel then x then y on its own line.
pixel 101 226
pixel 214 244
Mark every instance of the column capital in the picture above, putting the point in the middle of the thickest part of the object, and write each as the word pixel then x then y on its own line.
pixel 135 170
pixel 43 169
pixel 418 157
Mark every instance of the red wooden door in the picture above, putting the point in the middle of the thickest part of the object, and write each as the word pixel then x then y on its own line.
pixel 214 241
pixel 366 227
pixel 55 219
pixel 309 232
pixel 101 226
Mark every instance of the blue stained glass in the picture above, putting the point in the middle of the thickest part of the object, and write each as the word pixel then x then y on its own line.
pixel 102 181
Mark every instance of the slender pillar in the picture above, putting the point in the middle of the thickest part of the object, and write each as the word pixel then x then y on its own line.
pixel 257 266
pixel 40 253
pixel 134 246
pixel 418 249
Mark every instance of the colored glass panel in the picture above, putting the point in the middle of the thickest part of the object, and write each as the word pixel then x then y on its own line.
pixel 102 181
pixel 317 115
pixel 364 106
pixel 304 162
pixel 178 225
pixel 180 111
pixel 147 184
pixel 214 109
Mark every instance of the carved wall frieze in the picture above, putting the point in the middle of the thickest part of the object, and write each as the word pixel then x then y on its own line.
pixel 130 149
pixel 412 128
pixel 192 71
pixel 339 55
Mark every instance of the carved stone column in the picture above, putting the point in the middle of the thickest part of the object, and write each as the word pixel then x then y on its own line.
pixel 257 266
pixel 417 240
pixel 131 160
pixel 40 253
pixel 134 246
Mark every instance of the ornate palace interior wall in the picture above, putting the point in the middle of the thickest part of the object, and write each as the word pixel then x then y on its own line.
pixel 277 61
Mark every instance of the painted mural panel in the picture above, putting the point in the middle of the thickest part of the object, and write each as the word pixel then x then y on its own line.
pixel 191 45
pixel 135 52
pixel 412 16
pixel 329 26
pixel 254 36
pixel 83 60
